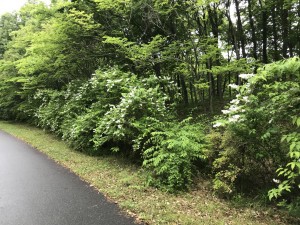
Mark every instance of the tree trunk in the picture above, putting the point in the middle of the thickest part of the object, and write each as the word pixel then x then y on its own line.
pixel 253 31
pixel 276 54
pixel 285 32
pixel 214 20
pixel 211 86
pixel 184 90
pixel 240 32
pixel 265 34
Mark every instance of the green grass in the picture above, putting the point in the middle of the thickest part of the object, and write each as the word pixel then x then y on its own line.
pixel 124 183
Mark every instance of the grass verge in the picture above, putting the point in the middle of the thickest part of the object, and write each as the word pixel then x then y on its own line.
pixel 124 184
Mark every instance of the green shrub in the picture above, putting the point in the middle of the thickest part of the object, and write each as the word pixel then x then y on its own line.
pixel 255 122
pixel 289 175
pixel 49 114
pixel 117 113
pixel 15 99
pixel 73 113
pixel 170 154
pixel 123 122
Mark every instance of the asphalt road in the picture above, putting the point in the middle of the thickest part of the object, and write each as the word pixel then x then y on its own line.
pixel 34 190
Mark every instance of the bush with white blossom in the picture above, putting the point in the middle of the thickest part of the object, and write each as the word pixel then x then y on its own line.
pixel 259 131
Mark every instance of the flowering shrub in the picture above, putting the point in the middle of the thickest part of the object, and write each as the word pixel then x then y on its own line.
pixel 121 123
pixel 49 114
pixel 93 99
pixel 116 112
pixel 253 125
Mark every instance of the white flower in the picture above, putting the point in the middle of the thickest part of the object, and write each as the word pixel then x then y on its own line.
pixel 233 86
pixel 233 108
pixel 246 76
pixel 226 111
pixel 218 124
pixel 235 101
pixel 234 118
pixel 276 181
pixel 246 98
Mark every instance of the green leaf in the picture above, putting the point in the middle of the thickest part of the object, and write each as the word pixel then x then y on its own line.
pixel 292 146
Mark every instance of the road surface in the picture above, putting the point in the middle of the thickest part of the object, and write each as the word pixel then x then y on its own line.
pixel 34 190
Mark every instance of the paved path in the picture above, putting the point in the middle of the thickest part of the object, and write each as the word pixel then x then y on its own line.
pixel 34 190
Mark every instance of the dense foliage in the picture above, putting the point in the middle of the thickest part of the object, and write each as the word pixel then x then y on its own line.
pixel 114 112
pixel 141 78
pixel 261 134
